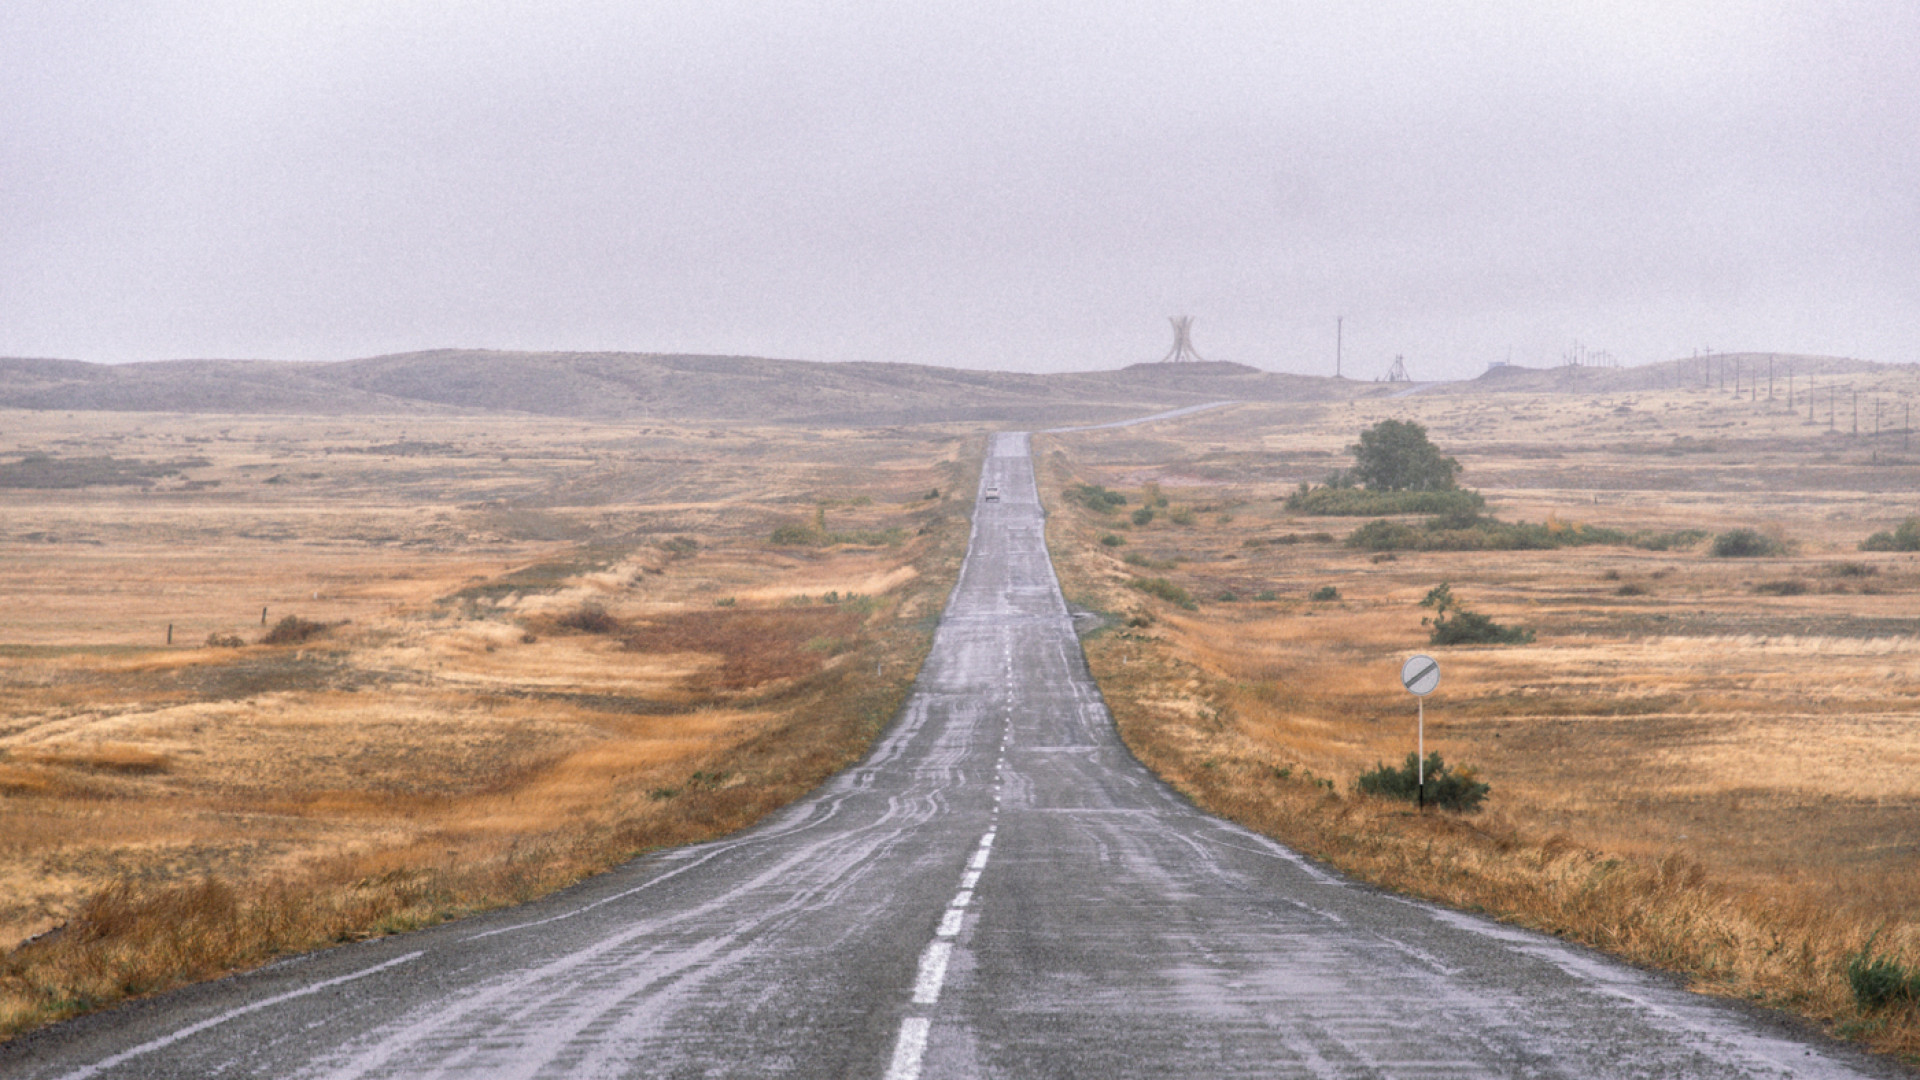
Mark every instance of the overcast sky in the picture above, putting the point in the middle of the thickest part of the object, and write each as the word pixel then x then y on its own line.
pixel 1019 185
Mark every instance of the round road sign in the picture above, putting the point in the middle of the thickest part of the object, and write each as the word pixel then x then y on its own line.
pixel 1420 674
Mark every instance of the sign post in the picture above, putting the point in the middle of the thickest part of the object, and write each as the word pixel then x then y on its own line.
pixel 1420 675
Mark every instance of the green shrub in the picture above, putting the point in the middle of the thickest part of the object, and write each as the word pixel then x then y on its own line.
pixel 1113 540
pixel 1143 516
pixel 1227 597
pixel 680 546
pixel 1468 532
pixel 1446 789
pixel 1384 535
pixel 1879 981
pixel 1094 497
pixel 796 534
pixel 1904 538
pixel 1746 544
pixel 1266 594
pixel 1165 590
pixel 1455 625
pixel 1180 515
pixel 1850 569
pixel 1356 502
pixel 1325 592
pixel 1783 587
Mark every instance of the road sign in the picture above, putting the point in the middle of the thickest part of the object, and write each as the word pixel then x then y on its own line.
pixel 1420 674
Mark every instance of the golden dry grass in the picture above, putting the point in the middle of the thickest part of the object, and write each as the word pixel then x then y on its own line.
pixel 1690 772
pixel 449 741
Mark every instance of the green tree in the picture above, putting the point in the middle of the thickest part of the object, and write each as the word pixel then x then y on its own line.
pixel 1395 455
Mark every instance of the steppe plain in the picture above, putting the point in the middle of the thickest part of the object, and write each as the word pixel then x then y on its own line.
pixel 1705 764
pixel 558 636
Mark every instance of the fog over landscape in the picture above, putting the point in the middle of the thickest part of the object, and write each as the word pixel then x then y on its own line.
pixel 994 185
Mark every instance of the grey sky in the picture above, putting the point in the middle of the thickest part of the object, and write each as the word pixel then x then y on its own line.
pixel 990 184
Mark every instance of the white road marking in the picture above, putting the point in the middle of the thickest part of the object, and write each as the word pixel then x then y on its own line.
pixel 950 922
pixel 908 1049
pixel 194 1029
pixel 979 860
pixel 962 898
pixel 933 972
pixel 972 879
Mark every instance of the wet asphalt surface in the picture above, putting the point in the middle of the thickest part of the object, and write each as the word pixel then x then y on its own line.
pixel 998 890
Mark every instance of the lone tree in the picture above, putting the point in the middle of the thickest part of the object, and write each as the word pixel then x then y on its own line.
pixel 1394 455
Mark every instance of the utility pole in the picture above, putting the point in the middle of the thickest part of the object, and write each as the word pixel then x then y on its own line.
pixel 1769 377
pixel 1789 387
pixel 1856 411
pixel 1832 392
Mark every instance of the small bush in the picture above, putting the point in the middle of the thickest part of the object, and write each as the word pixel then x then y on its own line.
pixel 1449 790
pixel 1266 594
pixel 1850 569
pixel 1904 538
pixel 1325 592
pixel 1180 516
pixel 1143 516
pixel 680 546
pixel 1113 540
pixel 1783 587
pixel 1631 588
pixel 797 534
pixel 1746 544
pixel 293 630
pixel 1880 981
pixel 1165 590
pixel 588 619
pixel 1228 597
pixel 1455 625
pixel 1359 502
pixel 224 641
pixel 725 601
pixel 1094 497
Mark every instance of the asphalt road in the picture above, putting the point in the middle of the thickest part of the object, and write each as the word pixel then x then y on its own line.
pixel 1000 890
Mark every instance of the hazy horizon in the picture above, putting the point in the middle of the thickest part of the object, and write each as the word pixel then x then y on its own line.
pixel 1015 187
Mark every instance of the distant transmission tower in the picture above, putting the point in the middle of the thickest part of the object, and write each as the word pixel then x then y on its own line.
pixel 1398 372
pixel 1182 351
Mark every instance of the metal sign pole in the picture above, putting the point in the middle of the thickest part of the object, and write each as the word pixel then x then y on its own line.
pixel 1422 766
pixel 1420 675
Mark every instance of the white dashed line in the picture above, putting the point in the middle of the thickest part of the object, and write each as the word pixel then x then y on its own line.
pixel 933 972
pixel 950 922
pixel 962 898
pixel 909 1048
pixel 972 879
pixel 979 860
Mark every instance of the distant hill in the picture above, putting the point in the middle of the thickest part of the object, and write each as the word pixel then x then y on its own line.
pixel 614 386
pixel 638 385
pixel 1670 374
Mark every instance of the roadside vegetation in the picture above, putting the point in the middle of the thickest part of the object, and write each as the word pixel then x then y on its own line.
pixel 572 685
pixel 1690 755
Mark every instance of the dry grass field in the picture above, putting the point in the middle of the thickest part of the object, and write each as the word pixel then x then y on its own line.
pixel 512 652
pixel 1707 764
